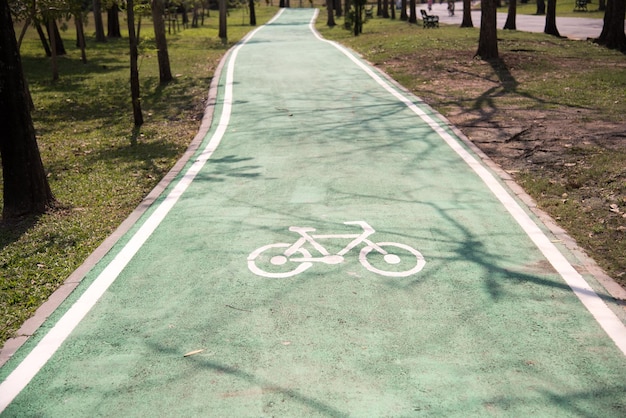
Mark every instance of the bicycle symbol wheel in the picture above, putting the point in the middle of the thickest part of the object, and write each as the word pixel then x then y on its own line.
pixel 390 257
pixel 272 257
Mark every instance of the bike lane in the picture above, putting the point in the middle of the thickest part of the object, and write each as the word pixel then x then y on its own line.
pixel 190 321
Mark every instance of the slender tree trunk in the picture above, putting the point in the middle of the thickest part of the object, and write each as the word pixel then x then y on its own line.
pixel 338 8
pixel 26 190
pixel 602 5
pixel 20 38
pixel 223 31
pixel 467 14
pixel 541 7
pixel 158 12
pixel 385 13
pixel 488 39
pixel 330 21
pixel 53 48
pixel 252 13
pixel 134 68
pixel 97 20
pixel 379 9
pixel 53 32
pixel 403 14
pixel 80 37
pixel 392 8
pixel 550 27
pixel 43 39
pixel 412 11
pixel 113 22
pixel 511 16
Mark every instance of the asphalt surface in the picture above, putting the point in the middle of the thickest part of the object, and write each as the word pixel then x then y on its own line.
pixel 571 27
pixel 333 248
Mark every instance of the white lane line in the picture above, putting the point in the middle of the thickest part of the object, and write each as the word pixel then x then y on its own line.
pixel 49 344
pixel 607 319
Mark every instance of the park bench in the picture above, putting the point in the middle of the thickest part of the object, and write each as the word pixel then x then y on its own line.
pixel 369 12
pixel 430 21
pixel 581 5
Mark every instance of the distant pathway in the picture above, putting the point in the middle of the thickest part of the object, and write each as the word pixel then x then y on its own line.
pixel 571 27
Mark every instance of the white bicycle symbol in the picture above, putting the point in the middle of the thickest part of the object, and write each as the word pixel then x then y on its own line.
pixel 297 259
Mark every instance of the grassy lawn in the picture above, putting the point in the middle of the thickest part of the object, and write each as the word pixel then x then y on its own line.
pixel 99 168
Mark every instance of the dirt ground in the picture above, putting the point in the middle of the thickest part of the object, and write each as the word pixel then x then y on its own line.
pixel 571 160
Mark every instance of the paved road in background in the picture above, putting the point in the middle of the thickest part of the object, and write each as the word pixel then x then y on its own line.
pixel 332 249
pixel 571 27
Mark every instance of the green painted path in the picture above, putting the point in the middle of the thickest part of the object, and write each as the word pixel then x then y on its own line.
pixel 333 249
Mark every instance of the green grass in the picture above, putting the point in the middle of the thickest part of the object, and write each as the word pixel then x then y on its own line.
pixel 99 167
pixel 564 8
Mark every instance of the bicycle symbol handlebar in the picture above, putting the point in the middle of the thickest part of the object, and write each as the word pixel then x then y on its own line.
pixel 286 260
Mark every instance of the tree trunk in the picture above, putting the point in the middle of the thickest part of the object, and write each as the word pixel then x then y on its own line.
pixel 252 13
pixel 338 8
pixel 330 21
pixel 158 12
pixel 511 16
pixel 392 9
pixel 97 20
pixel 379 9
pixel 412 11
pixel 602 5
pixel 488 38
pixel 80 37
pixel 26 190
pixel 385 13
pixel 223 31
pixel 53 32
pixel 550 27
pixel 113 22
pixel 43 39
pixel 53 48
pixel 541 7
pixel 403 15
pixel 134 68
pixel 612 35
pixel 467 14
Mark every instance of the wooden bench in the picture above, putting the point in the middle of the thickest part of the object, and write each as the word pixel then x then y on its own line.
pixel 430 21
pixel 369 12
pixel 581 6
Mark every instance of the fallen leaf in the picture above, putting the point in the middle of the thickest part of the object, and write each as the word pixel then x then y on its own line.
pixel 191 353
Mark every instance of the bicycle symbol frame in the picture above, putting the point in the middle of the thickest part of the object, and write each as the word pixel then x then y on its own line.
pixel 295 253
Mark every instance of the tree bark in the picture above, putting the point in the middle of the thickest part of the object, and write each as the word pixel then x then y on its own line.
pixel 43 39
pixel 403 15
pixel 80 37
pixel 53 49
pixel 541 7
pixel 511 17
pixel 330 20
pixel 385 13
pixel 467 14
pixel 488 38
pixel 113 22
pixel 158 23
pixel 223 30
pixel 97 20
pixel 252 13
pixel 550 27
pixel 26 190
pixel 53 32
pixel 613 35
pixel 134 68
pixel 412 11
